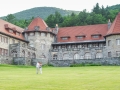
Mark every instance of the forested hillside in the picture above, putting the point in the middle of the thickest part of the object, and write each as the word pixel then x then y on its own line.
pixel 114 7
pixel 98 15
pixel 42 12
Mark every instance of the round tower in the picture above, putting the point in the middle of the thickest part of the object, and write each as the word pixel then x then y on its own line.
pixel 41 37
pixel 113 38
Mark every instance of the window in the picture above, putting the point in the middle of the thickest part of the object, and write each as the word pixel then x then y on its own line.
pixel 95 36
pixel 6 40
pixel 99 55
pixel 42 34
pixel 29 54
pixel 31 34
pixel 66 56
pixel 109 42
pixel 11 31
pixel 54 57
pixel 81 57
pixel 31 43
pixel 13 41
pixel 87 56
pixel 0 39
pixel 118 41
pixel 79 37
pixel 89 45
pixel 109 54
pixel 101 45
pixel 64 38
pixel 17 33
pixel 42 46
pixel 0 51
pixel 33 55
pixel 76 56
pixel 42 56
pixel 118 53
pixel 23 53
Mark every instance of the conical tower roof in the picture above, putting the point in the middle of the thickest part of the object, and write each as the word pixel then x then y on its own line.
pixel 115 27
pixel 37 22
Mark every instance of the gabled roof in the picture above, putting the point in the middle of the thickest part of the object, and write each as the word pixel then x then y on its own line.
pixel 87 31
pixel 80 34
pixel 39 22
pixel 115 27
pixel 4 25
pixel 96 33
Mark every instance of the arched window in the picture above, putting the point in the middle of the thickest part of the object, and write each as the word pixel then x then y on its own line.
pixel 81 57
pixel 109 42
pixel 43 44
pixel 87 56
pixel 99 55
pixel 66 56
pixel 42 57
pixel 54 57
pixel 31 43
pixel 33 55
pixel 23 53
pixel 29 54
pixel 76 56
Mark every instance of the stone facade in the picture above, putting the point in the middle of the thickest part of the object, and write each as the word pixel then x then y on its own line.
pixel 113 45
pixel 102 61
pixel 61 46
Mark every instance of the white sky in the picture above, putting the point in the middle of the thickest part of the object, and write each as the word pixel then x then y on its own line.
pixel 13 6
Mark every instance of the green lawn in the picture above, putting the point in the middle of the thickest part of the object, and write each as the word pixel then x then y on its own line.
pixel 60 78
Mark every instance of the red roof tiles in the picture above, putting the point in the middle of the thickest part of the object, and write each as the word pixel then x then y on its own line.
pixel 37 22
pixel 115 27
pixel 4 26
pixel 87 31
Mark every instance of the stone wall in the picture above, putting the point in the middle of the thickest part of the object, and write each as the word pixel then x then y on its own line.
pixel 42 43
pixel 6 60
pixel 112 47
pixel 105 61
pixel 21 61
pixel 27 61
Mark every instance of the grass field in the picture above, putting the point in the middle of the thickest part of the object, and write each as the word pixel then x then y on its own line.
pixel 60 78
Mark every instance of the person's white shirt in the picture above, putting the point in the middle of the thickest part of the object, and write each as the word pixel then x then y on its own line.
pixel 37 65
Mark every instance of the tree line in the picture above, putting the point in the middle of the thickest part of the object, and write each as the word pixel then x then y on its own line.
pixel 98 15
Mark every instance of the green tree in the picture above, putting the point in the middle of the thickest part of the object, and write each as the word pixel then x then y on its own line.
pixel 10 18
pixel 96 9
pixel 50 20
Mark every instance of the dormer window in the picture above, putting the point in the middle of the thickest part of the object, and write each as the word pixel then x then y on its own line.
pixel 17 33
pixel 65 37
pixel 80 37
pixel 95 36
pixel 10 30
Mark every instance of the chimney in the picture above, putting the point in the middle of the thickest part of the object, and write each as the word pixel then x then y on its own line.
pixel 109 24
pixel 56 28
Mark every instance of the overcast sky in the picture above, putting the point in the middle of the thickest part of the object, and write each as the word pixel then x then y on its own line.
pixel 13 6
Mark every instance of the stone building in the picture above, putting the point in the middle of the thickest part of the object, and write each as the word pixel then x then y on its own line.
pixel 40 42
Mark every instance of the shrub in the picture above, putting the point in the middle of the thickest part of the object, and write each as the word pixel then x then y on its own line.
pixel 83 64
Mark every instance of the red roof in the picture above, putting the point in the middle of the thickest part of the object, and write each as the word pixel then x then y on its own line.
pixel 87 31
pixel 37 22
pixel 4 25
pixel 115 27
